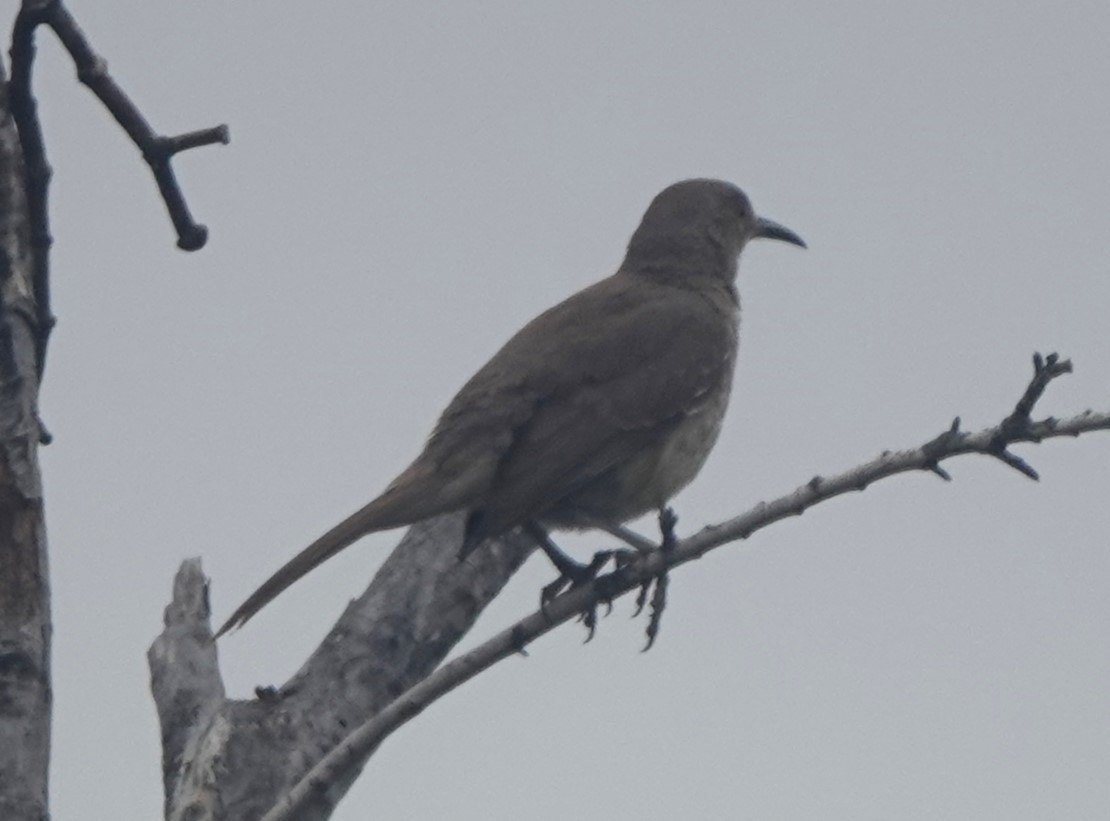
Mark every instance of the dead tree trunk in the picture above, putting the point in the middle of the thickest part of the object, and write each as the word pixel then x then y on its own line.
pixel 25 695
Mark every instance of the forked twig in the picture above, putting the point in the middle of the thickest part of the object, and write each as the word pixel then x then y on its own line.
pixel 157 150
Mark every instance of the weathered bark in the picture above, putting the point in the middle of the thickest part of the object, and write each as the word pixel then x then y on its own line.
pixel 226 759
pixel 25 627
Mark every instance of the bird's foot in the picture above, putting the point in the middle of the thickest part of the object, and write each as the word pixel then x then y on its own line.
pixel 656 586
pixel 572 575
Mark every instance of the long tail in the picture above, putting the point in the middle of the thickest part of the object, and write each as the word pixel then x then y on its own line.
pixel 354 527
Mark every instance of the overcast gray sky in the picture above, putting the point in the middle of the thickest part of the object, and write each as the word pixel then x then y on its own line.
pixel 407 184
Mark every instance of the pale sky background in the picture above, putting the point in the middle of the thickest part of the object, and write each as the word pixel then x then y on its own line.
pixel 407 184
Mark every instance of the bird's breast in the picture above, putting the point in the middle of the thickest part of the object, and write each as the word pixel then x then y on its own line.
pixel 683 453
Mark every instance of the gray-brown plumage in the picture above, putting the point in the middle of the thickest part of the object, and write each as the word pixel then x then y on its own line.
pixel 599 409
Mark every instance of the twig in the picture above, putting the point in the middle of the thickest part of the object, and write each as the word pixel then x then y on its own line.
pixel 1044 371
pixel 348 756
pixel 157 150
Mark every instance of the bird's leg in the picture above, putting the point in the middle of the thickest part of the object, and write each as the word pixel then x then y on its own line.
pixel 626 535
pixel 571 573
pixel 667 521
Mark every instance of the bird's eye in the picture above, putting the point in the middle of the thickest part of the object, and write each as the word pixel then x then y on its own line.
pixel 742 206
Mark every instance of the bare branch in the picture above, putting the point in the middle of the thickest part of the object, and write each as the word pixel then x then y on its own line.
pixel 157 150
pixel 1018 422
pixel 344 761
pixel 1045 369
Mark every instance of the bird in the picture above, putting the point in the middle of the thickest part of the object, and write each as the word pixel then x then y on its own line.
pixel 597 411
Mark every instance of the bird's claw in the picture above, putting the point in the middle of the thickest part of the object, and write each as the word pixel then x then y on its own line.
pixel 573 575
pixel 657 585
pixel 652 594
pixel 658 603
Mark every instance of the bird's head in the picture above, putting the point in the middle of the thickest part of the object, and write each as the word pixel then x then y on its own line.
pixel 699 226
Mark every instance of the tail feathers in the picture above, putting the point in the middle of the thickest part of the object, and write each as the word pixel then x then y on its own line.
pixel 375 516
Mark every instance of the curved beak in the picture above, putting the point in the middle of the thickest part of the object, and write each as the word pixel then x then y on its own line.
pixel 770 229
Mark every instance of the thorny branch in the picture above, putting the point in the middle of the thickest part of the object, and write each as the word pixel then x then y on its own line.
pixel 348 757
pixel 157 150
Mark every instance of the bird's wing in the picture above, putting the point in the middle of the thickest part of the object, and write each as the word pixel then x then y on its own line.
pixel 590 384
